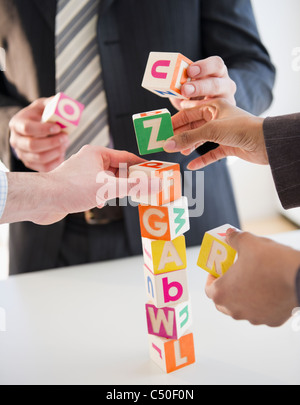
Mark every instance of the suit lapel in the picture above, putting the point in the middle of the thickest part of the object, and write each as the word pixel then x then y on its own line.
pixel 47 9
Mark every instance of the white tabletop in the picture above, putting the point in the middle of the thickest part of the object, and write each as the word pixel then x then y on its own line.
pixel 87 325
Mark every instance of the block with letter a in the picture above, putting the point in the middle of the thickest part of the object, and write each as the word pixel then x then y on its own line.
pixel 169 176
pixel 152 129
pixel 165 73
pixel 169 322
pixel 166 289
pixel 216 256
pixel 161 256
pixel 166 222
pixel 63 111
pixel 171 355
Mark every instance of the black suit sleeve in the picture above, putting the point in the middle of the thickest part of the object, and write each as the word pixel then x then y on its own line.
pixel 282 137
pixel 231 32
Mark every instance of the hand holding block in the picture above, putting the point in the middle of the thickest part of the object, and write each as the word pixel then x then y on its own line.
pixel 64 111
pixel 170 178
pixel 152 130
pixel 165 73
pixel 171 355
pixel 162 256
pixel 166 222
pixel 164 290
pixel 169 322
pixel 216 256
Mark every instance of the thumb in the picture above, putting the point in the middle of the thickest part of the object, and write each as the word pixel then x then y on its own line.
pixel 236 238
pixel 188 139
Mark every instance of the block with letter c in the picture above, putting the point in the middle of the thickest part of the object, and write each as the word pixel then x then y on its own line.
pixel 165 73
pixel 166 222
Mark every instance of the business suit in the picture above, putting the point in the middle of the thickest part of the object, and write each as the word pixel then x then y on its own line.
pixel 127 32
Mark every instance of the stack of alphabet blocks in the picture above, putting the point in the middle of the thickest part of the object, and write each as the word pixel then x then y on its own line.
pixel 164 219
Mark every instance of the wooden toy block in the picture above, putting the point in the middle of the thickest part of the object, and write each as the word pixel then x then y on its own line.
pixel 162 256
pixel 164 290
pixel 216 256
pixel 171 355
pixel 152 129
pixel 63 111
pixel 166 222
pixel 169 176
pixel 169 322
pixel 165 73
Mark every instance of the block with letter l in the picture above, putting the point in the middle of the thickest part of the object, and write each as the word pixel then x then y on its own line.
pixel 216 256
pixel 171 355
pixel 165 73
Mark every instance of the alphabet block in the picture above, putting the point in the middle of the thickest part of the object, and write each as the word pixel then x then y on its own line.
pixel 169 176
pixel 162 256
pixel 63 111
pixel 164 290
pixel 216 256
pixel 169 322
pixel 165 73
pixel 171 355
pixel 152 129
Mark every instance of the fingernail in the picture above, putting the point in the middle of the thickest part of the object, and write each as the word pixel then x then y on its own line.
pixel 55 129
pixel 170 145
pixel 189 90
pixel 194 71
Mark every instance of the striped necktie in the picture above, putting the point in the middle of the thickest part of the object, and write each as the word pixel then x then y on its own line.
pixel 78 70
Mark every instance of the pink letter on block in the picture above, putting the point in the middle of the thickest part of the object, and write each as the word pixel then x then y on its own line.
pixel 167 287
pixel 159 63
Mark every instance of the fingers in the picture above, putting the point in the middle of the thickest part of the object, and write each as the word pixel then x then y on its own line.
pixel 209 79
pixel 207 159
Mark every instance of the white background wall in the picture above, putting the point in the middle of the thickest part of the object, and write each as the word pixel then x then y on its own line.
pixel 278 23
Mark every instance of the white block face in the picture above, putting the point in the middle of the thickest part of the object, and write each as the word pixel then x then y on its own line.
pixel 160 70
pixel 167 289
pixel 157 351
pixel 220 232
pixel 179 217
pixel 164 74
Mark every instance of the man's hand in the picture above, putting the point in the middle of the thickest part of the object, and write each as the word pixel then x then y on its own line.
pixel 75 186
pixel 260 286
pixel 209 79
pixel 40 146
pixel 237 132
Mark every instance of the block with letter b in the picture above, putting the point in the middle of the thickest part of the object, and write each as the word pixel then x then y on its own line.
pixel 216 256
pixel 169 322
pixel 171 355
pixel 165 73
pixel 63 111
pixel 169 176
pixel 166 222
pixel 167 289
pixel 161 256
pixel 152 129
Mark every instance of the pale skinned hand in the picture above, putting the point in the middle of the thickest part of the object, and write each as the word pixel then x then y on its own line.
pixel 260 286
pixel 209 80
pixel 75 186
pixel 237 132
pixel 40 146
